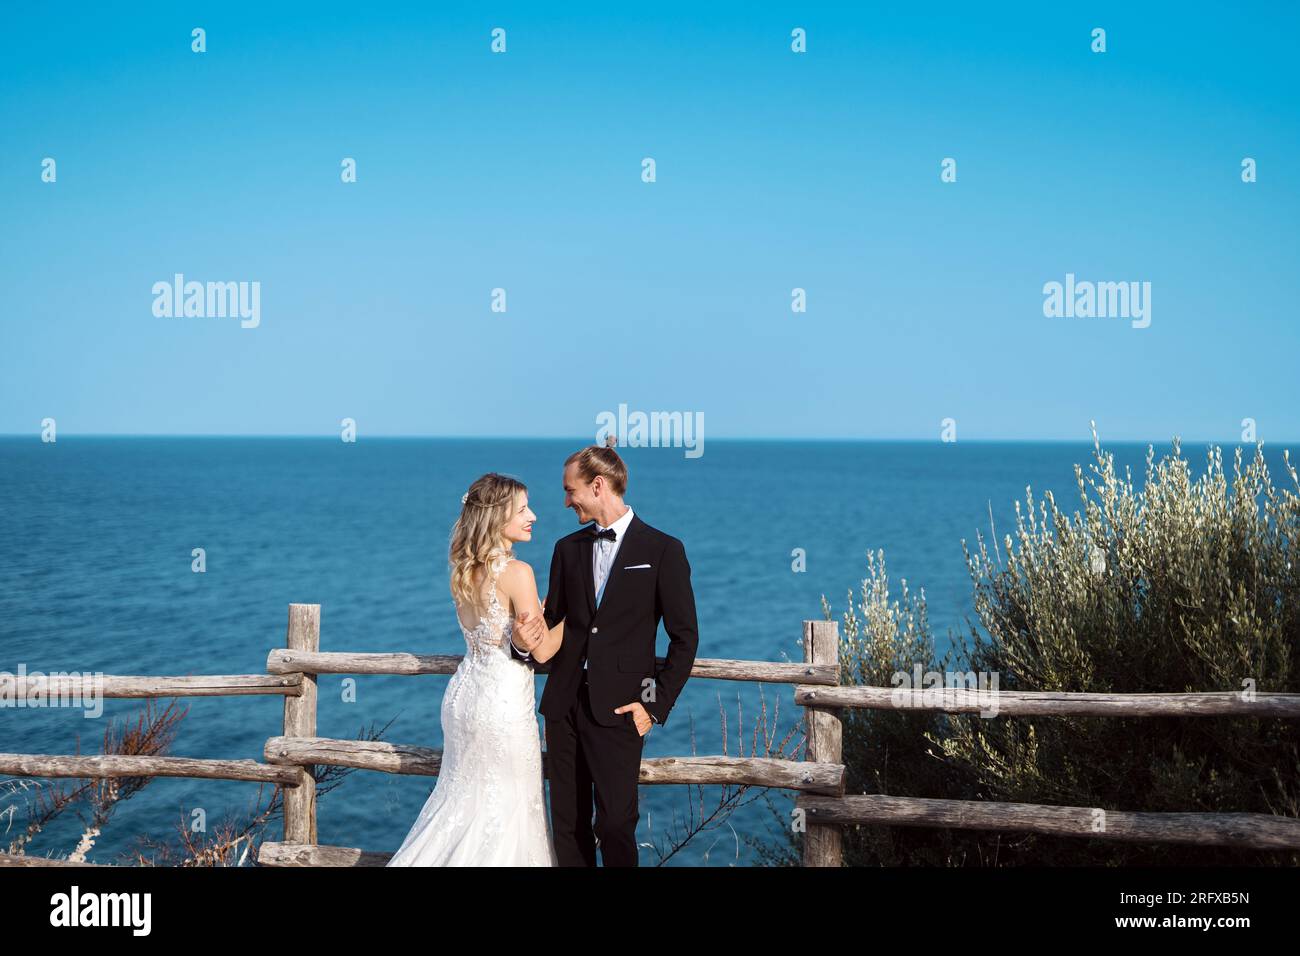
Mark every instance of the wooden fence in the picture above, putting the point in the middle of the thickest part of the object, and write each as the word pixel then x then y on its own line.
pixel 822 808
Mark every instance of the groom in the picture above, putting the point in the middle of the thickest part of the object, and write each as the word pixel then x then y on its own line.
pixel 610 583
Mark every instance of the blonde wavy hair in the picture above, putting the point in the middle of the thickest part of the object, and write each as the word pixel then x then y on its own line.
pixel 476 536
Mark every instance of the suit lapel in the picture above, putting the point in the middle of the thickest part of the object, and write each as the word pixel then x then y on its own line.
pixel 585 545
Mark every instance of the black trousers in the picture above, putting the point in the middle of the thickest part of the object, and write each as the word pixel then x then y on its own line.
pixel 581 755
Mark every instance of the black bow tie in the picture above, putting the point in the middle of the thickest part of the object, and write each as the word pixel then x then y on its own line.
pixel 607 533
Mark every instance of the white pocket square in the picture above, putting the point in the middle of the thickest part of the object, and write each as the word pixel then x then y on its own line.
pixel 634 567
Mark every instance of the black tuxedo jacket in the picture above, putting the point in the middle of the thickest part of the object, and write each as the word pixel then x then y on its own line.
pixel 618 638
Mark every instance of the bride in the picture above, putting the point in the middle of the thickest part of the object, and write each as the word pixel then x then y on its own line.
pixel 486 808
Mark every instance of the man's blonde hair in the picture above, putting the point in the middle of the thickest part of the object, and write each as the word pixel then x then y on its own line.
pixel 599 460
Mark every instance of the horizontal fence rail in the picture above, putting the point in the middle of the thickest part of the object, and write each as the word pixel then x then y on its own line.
pixel 64 686
pixel 825 778
pixel 341 662
pixel 21 859
pixel 313 854
pixel 957 700
pixel 104 766
pixel 1253 830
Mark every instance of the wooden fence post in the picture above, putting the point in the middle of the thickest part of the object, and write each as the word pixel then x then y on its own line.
pixel 300 721
pixel 823 843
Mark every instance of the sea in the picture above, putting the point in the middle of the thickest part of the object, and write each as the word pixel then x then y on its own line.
pixel 97 544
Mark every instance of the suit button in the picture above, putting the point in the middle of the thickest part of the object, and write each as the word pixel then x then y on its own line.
pixel 594 630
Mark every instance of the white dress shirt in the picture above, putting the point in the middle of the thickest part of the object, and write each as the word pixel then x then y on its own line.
pixel 602 555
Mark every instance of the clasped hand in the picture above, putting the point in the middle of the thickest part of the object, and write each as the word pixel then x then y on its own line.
pixel 530 629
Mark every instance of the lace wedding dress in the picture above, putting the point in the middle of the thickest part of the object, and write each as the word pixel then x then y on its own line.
pixel 487 807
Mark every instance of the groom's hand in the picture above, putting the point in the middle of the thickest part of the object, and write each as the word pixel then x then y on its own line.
pixel 529 631
pixel 639 714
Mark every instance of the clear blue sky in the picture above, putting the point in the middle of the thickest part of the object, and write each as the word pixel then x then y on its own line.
pixel 775 170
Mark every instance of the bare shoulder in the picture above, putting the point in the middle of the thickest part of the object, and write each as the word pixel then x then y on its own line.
pixel 516 571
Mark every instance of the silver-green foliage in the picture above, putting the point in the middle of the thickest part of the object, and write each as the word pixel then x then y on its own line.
pixel 1178 584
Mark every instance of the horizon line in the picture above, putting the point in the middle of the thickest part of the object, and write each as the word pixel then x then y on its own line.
pixel 726 438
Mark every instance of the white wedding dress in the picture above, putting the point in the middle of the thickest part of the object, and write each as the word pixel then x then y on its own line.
pixel 487 808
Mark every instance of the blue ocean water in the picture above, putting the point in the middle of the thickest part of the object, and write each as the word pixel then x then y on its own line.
pixel 96 536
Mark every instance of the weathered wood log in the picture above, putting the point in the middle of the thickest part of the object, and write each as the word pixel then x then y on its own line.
pixel 398 758
pixel 1245 830
pixel 283 661
pixel 820 673
pixel 960 700
pixel 124 765
pixel 806 775
pixel 823 845
pixel 303 637
pixel 362 754
pixel 62 685
pixel 20 859
pixel 303 854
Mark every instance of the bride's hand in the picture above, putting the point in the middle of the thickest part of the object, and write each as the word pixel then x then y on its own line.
pixel 529 631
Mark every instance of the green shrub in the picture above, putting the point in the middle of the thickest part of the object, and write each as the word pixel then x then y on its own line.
pixel 1179 585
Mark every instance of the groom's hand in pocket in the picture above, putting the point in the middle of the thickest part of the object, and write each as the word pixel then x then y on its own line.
pixel 640 716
